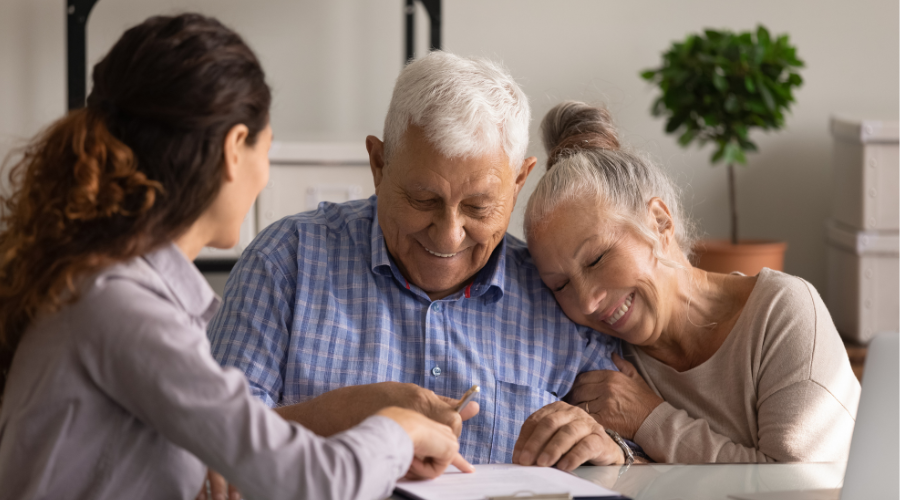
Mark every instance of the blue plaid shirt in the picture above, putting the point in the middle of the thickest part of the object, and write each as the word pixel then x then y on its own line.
pixel 316 303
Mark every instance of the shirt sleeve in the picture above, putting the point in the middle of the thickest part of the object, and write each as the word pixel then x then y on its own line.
pixel 251 331
pixel 149 358
pixel 598 350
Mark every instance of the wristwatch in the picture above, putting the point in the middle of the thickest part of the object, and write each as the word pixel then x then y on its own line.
pixel 629 455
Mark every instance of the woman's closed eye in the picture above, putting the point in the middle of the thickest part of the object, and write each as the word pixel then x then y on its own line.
pixel 560 287
pixel 596 261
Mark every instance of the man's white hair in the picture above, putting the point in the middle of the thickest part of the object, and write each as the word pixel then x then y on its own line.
pixel 467 107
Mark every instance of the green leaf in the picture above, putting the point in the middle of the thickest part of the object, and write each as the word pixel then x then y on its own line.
pixel 648 74
pixel 731 104
pixel 795 80
pixel 687 137
pixel 675 122
pixel 734 154
pixel 748 145
pixel 717 156
pixel 766 95
pixel 720 82
pixel 749 85
pixel 713 35
pixel 762 36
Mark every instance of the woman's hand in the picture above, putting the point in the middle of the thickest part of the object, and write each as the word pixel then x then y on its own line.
pixel 619 400
pixel 218 487
pixel 566 436
pixel 435 445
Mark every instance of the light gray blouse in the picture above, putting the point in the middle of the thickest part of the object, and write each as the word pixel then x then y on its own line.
pixel 117 396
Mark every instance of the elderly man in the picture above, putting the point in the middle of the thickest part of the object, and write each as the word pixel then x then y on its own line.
pixel 336 313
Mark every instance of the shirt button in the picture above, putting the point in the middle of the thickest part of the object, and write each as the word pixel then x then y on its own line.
pixel 436 371
pixel 437 307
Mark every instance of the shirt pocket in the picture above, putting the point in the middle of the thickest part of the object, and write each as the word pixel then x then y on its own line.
pixel 514 404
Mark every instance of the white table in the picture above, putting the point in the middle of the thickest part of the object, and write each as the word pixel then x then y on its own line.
pixel 713 481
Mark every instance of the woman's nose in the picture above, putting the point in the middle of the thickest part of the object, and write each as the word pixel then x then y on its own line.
pixel 590 297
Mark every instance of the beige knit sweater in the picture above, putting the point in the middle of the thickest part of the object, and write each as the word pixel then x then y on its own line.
pixel 780 387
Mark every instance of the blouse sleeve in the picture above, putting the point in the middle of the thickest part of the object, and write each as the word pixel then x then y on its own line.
pixel 149 358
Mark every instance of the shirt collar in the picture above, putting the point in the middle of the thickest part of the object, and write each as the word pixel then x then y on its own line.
pixel 490 277
pixel 184 281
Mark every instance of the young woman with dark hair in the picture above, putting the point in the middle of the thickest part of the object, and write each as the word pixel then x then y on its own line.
pixel 108 386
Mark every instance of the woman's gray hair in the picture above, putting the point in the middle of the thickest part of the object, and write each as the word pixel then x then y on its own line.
pixel 585 163
pixel 467 107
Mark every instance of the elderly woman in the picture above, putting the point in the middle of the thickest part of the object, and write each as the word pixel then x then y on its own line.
pixel 725 368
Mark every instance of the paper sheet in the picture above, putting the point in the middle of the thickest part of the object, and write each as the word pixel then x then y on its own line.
pixel 502 479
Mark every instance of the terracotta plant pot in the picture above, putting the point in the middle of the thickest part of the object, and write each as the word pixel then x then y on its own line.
pixel 748 256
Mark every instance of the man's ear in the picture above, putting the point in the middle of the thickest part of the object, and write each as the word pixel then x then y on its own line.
pixel 233 150
pixel 661 218
pixel 527 167
pixel 376 159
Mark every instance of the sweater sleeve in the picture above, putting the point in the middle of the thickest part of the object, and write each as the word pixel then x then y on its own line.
pixel 799 394
pixel 789 431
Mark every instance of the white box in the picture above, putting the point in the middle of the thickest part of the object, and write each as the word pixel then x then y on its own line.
pixel 305 174
pixel 863 293
pixel 866 174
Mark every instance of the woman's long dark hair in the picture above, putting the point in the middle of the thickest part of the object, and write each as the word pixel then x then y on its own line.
pixel 132 170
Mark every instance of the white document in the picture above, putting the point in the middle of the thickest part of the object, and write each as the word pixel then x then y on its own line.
pixel 502 480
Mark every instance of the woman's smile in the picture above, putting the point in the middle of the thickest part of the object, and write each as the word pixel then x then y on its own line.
pixel 620 315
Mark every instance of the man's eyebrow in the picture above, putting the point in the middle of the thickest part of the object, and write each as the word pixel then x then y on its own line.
pixel 422 187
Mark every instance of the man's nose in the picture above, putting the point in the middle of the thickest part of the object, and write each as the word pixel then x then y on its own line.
pixel 448 231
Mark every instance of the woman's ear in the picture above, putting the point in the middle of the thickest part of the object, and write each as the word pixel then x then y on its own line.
pixel 234 150
pixel 661 218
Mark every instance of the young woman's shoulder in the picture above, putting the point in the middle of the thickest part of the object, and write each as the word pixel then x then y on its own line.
pixel 126 304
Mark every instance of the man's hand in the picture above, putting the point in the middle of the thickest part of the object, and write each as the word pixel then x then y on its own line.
pixel 619 400
pixel 218 488
pixel 435 446
pixel 567 436
pixel 343 408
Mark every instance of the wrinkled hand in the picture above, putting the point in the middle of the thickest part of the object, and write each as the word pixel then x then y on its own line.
pixel 343 408
pixel 620 401
pixel 567 436
pixel 435 445
pixel 219 489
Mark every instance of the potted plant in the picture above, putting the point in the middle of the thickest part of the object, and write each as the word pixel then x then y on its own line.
pixel 716 87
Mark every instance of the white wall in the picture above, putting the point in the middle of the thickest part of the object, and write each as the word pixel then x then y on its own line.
pixel 332 66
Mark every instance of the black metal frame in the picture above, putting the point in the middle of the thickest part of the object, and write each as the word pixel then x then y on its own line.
pixel 433 9
pixel 78 12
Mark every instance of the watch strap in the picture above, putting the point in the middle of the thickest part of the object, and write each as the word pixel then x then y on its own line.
pixel 629 455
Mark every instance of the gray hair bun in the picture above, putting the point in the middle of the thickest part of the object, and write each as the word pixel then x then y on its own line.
pixel 573 126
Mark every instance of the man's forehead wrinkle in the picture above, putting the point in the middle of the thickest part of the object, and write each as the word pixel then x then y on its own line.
pixel 478 184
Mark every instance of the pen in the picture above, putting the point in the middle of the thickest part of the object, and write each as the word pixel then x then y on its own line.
pixel 463 401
